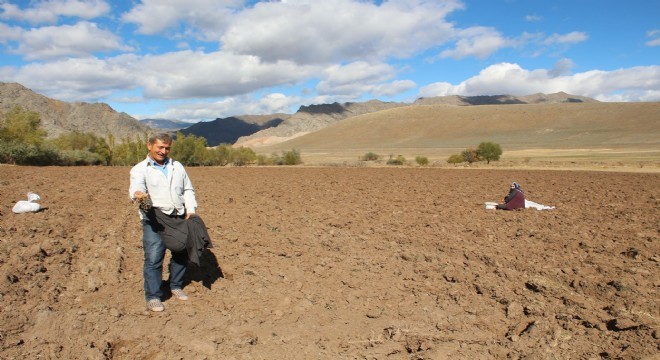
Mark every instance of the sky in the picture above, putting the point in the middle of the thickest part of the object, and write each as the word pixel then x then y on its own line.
pixel 198 60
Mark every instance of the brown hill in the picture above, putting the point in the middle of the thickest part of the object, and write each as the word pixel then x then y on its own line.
pixel 316 117
pixel 549 126
pixel 58 117
pixel 312 118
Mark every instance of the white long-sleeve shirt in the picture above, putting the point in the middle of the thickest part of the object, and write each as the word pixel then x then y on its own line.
pixel 168 193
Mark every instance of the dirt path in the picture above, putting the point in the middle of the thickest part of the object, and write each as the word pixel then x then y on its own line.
pixel 330 263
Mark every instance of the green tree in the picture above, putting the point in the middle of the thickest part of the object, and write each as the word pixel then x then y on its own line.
pixel 103 151
pixel 190 150
pixel 489 151
pixel 75 141
pixel 22 126
pixel 129 152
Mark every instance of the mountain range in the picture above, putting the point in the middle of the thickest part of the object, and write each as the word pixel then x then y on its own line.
pixel 552 121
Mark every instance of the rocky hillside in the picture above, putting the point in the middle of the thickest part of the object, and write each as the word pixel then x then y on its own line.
pixel 316 117
pixel 312 118
pixel 58 117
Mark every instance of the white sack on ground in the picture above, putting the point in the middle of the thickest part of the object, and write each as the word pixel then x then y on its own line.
pixel 27 206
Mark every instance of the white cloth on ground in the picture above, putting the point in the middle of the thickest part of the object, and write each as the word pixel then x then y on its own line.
pixel 27 206
pixel 537 206
pixel 528 205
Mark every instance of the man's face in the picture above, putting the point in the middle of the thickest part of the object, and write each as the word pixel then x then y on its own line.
pixel 159 150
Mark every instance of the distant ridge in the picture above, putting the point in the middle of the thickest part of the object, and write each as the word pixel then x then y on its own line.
pixel 538 98
pixel 570 125
pixel 228 130
pixel 165 124
pixel 58 117
pixel 313 118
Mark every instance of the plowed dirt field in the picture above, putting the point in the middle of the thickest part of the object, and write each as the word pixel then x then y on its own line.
pixel 339 263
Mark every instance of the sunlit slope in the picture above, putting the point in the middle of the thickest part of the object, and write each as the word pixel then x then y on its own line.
pixel 574 125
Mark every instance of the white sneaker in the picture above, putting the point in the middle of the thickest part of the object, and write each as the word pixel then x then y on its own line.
pixel 155 305
pixel 179 294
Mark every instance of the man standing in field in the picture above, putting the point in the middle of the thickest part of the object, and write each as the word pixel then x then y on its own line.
pixel 165 183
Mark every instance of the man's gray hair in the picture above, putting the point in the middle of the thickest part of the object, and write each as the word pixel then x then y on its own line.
pixel 164 137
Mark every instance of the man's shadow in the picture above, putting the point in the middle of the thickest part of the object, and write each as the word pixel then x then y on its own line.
pixel 208 271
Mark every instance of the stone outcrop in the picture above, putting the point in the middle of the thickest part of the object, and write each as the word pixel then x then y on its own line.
pixel 58 117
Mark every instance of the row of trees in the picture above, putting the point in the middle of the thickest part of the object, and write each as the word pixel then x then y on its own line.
pixel 23 142
pixel 487 151
pixel 394 160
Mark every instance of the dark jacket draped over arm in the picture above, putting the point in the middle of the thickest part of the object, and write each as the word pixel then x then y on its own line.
pixel 179 234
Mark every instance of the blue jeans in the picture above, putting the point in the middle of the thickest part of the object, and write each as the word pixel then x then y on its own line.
pixel 154 254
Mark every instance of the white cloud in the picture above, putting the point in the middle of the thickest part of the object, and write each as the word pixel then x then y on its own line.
pixel 205 18
pixel 532 18
pixel 188 74
pixel 49 11
pixel 349 82
pixel 342 30
pixel 634 84
pixel 655 38
pixel 232 106
pixel 539 43
pixel 86 79
pixel 562 67
pixel 183 74
pixel 9 33
pixel 354 78
pixel 81 39
pixel 570 38
pixel 476 41
pixel 394 88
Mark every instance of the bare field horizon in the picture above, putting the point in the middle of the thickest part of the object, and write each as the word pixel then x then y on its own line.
pixel 623 159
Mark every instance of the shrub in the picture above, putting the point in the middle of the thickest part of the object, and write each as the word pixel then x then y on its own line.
pixel 489 151
pixel 422 160
pixel 370 157
pixel 79 157
pixel 399 160
pixel 243 156
pixel 263 160
pixel 470 155
pixel 292 157
pixel 455 159
pixel 27 154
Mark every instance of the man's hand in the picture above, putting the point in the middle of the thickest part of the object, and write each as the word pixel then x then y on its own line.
pixel 143 200
pixel 140 195
pixel 189 214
